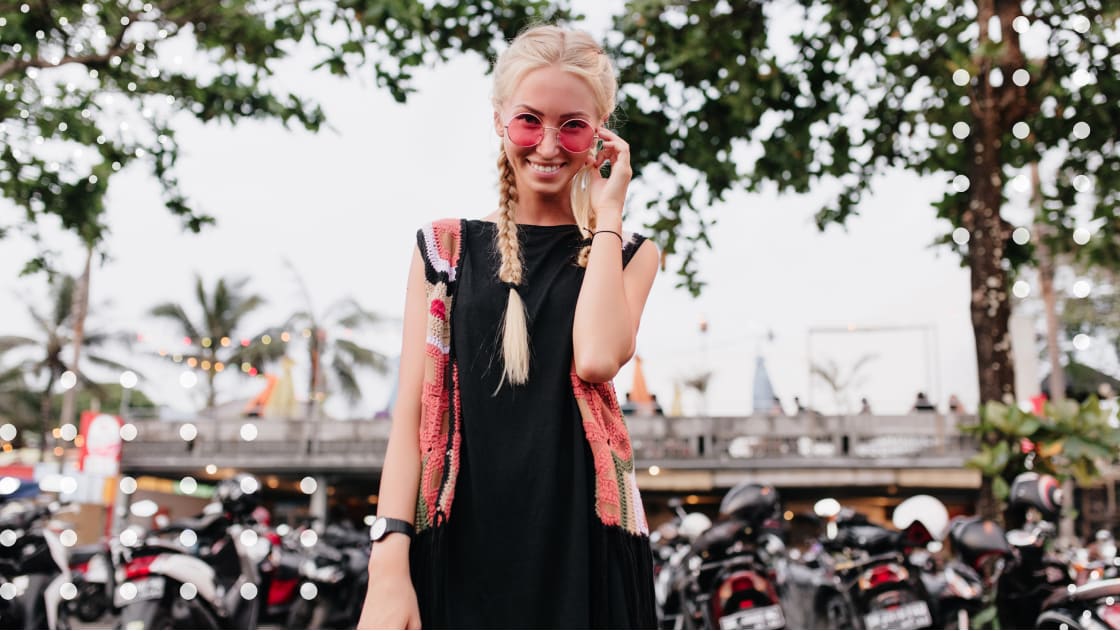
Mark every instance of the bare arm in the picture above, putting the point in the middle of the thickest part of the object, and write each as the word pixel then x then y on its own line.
pixel 610 306
pixel 611 298
pixel 390 600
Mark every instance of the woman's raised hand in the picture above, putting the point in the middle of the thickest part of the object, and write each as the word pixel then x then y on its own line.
pixel 608 194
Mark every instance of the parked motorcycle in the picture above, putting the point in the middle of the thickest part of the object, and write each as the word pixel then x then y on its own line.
pixel 207 577
pixel 33 564
pixel 729 576
pixel 956 591
pixel 671 543
pixel 93 579
pixel 335 576
pixel 1037 589
pixel 859 575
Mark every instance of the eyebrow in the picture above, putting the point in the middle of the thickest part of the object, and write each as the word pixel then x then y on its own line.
pixel 576 114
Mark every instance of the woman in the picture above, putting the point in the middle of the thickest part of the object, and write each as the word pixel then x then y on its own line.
pixel 508 496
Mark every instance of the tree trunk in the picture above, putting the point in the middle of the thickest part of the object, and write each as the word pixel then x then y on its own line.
pixel 78 311
pixel 45 415
pixel 316 350
pixel 1046 285
pixel 1046 265
pixel 994 109
pixel 211 394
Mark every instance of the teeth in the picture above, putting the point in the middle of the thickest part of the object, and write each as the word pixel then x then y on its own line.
pixel 545 168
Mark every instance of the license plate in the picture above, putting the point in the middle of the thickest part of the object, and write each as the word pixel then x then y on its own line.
pixel 755 618
pixel 909 616
pixel 149 588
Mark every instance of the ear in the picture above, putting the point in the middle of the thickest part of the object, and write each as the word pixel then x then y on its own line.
pixel 499 128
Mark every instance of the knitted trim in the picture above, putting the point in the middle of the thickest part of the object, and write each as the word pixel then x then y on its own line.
pixel 439 247
pixel 617 499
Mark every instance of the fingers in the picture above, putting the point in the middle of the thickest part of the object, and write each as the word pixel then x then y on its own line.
pixel 614 149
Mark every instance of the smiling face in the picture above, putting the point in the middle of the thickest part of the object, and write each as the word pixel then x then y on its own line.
pixel 555 97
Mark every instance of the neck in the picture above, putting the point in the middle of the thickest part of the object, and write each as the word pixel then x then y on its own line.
pixel 544 210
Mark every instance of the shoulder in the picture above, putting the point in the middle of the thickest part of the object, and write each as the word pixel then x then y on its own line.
pixel 633 243
pixel 439 244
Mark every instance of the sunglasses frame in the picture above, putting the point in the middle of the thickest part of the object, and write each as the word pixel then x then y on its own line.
pixel 545 128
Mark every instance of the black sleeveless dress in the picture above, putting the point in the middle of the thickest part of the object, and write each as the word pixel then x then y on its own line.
pixel 524 547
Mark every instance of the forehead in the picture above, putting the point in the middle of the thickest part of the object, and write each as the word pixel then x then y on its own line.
pixel 554 91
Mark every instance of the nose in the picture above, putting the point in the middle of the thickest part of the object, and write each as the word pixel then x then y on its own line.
pixel 550 144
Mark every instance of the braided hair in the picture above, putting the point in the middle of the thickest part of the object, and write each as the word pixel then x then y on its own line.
pixel 535 48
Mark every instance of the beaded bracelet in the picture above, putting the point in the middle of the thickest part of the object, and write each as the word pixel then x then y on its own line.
pixel 608 231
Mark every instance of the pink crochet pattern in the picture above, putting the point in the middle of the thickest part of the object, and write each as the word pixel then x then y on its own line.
pixel 617 500
pixel 439 247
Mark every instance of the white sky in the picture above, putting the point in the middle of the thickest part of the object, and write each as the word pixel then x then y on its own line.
pixel 343 206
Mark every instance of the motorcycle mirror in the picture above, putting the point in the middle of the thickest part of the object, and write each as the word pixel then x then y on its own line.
pixel 213 508
pixel 827 508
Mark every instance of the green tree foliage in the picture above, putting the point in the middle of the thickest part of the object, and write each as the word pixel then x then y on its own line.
pixel 88 88
pixel 214 340
pixel 38 361
pixel 1097 314
pixel 716 95
pixel 1067 440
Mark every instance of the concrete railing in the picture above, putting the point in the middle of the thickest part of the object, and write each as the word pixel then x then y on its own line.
pixel 701 441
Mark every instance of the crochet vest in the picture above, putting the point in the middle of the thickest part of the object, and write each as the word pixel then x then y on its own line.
pixel 617 500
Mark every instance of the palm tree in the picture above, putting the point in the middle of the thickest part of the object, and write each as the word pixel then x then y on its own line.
pixel 830 373
pixel 700 382
pixel 343 356
pixel 18 404
pixel 212 339
pixel 55 335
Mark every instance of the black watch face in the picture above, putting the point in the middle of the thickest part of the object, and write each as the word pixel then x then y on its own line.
pixel 377 531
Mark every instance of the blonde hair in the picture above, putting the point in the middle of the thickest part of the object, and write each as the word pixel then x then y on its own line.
pixel 578 53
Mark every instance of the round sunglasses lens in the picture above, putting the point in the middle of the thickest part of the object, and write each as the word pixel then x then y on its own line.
pixel 576 136
pixel 525 130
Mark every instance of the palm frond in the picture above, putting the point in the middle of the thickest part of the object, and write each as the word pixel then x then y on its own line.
pixel 347 382
pixel 44 323
pixel 174 312
pixel 62 299
pixel 828 374
pixel 243 307
pixel 361 357
pixel 105 362
pixel 9 342
pixel 299 318
pixel 302 288
pixel 101 338
pixel 353 315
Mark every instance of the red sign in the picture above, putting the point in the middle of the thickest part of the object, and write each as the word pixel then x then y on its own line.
pixel 101 444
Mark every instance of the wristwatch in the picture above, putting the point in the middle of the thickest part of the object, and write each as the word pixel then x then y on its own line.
pixel 382 526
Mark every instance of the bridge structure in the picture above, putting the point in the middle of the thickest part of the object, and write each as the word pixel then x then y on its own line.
pixel 806 457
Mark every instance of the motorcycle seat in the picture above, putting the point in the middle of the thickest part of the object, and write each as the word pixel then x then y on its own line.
pixel 199 524
pixel 1087 592
pixel 720 536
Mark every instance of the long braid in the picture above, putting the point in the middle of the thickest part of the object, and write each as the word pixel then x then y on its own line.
pixel 515 332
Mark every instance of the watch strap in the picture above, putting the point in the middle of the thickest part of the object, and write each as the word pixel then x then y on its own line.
pixel 391 524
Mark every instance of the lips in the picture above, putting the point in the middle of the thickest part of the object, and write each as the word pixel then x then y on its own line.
pixel 545 169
